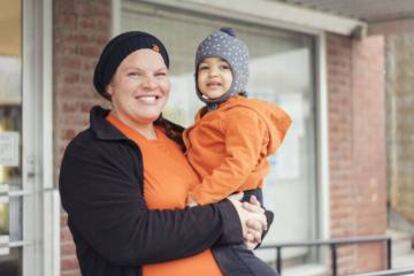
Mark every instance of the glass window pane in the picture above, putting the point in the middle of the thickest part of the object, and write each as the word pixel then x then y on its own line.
pixel 11 264
pixel 10 94
pixel 10 136
pixel 15 223
pixel 281 71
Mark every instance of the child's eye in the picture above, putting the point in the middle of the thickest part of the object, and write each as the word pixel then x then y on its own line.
pixel 224 67
pixel 203 67
pixel 161 74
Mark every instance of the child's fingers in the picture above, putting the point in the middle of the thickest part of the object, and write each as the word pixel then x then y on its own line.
pixel 237 196
pixel 191 202
pixel 254 201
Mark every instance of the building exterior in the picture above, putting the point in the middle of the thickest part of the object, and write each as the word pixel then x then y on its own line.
pixel 400 125
pixel 329 180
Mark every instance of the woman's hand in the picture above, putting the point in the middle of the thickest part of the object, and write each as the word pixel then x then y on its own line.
pixel 252 219
pixel 254 228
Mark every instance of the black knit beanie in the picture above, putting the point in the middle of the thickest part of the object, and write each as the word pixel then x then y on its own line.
pixel 117 50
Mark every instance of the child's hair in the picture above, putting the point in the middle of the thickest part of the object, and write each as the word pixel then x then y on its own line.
pixel 224 44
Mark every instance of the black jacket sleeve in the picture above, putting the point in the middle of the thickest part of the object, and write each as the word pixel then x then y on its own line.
pixel 101 194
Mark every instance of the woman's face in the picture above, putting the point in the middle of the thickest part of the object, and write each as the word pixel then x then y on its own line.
pixel 140 87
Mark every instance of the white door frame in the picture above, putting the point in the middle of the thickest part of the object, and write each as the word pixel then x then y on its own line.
pixel 41 220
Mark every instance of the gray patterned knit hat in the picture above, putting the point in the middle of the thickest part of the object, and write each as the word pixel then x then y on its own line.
pixel 224 44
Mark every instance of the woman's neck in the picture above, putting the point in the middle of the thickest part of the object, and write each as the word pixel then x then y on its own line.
pixel 145 129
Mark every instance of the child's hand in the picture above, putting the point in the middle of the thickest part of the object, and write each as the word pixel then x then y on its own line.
pixel 237 196
pixel 191 202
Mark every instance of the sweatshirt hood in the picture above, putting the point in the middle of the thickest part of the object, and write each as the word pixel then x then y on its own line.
pixel 275 118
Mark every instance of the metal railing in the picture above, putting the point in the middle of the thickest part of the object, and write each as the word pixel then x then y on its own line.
pixel 333 244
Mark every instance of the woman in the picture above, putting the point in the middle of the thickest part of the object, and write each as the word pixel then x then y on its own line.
pixel 124 182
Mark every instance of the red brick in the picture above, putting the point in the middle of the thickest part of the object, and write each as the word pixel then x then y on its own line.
pixel 356 134
pixel 69 263
pixel 81 28
pixel 68 249
pixel 74 272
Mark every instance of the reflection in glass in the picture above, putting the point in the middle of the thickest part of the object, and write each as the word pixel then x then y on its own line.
pixel 15 222
pixel 10 265
pixel 10 134
pixel 281 71
pixel 4 225
pixel 4 216
pixel 10 126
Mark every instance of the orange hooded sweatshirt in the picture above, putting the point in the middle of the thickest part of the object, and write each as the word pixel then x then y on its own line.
pixel 228 147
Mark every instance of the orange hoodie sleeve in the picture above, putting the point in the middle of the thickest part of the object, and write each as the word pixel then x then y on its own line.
pixel 244 133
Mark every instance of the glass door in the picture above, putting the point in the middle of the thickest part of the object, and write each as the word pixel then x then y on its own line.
pixel 24 215
pixel 11 188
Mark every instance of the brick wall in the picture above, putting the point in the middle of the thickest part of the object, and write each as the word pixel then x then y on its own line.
pixel 357 156
pixel 339 67
pixel 369 146
pixel 80 29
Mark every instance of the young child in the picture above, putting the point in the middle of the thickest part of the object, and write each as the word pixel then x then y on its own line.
pixel 232 135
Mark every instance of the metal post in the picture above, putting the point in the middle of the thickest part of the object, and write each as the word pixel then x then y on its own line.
pixel 279 260
pixel 333 256
pixel 389 253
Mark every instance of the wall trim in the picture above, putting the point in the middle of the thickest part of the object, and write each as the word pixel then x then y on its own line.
pixel 51 206
pixel 40 222
pixel 278 14
pixel 323 138
pixel 116 17
pixel 391 27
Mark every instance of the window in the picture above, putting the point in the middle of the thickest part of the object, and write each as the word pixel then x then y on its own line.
pixel 282 70
pixel 10 133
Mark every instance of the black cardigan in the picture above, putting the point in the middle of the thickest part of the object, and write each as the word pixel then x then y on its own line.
pixel 101 184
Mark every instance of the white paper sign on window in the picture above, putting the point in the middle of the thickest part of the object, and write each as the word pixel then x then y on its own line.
pixel 10 80
pixel 9 149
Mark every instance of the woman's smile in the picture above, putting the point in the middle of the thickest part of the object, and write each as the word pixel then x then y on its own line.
pixel 148 99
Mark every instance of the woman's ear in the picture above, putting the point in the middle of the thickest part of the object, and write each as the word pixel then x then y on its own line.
pixel 109 89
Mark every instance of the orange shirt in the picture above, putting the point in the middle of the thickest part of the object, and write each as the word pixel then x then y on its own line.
pixel 167 178
pixel 228 147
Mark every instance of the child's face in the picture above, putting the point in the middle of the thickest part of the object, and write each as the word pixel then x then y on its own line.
pixel 214 77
